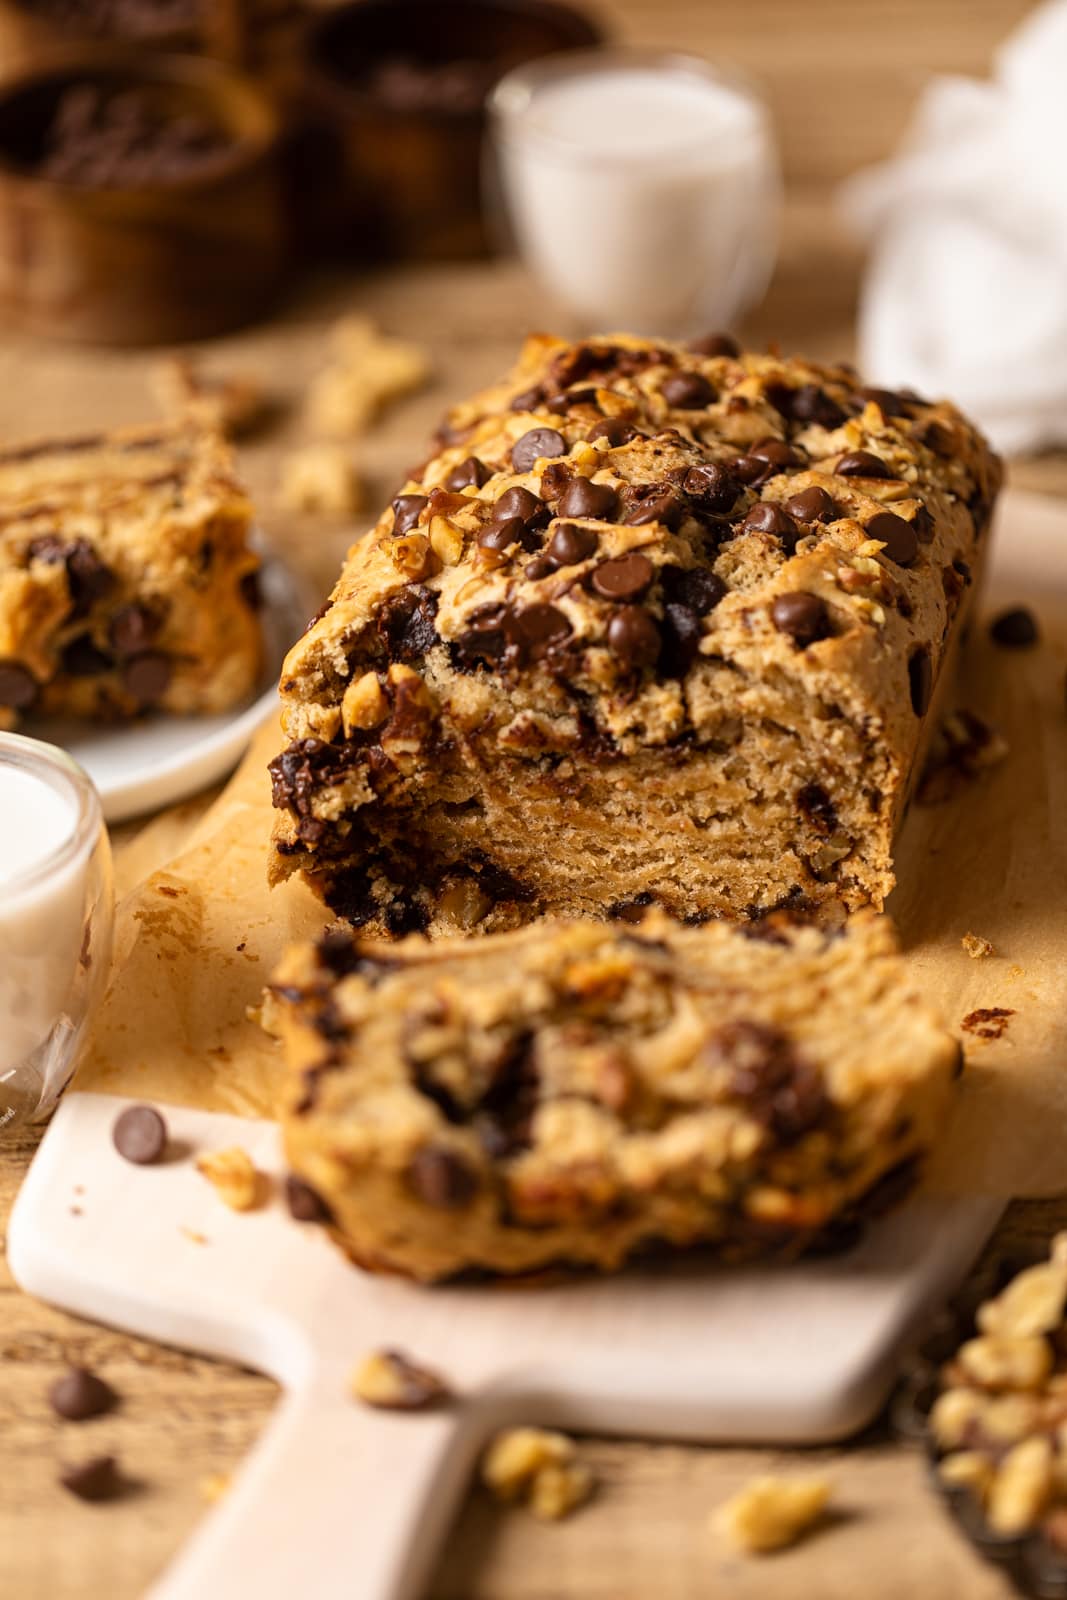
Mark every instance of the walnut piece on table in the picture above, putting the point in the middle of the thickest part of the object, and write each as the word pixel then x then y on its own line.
pixel 234 405
pixel 392 1381
pixel 232 1175
pixel 321 479
pixel 367 372
pixel 540 1467
pixel 977 947
pixel 770 1513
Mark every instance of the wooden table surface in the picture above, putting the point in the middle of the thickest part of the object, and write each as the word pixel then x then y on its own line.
pixel 840 79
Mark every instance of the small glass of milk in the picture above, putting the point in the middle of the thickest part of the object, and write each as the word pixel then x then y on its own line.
pixel 55 922
pixel 642 189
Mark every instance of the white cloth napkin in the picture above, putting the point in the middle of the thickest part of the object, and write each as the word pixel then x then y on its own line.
pixel 965 293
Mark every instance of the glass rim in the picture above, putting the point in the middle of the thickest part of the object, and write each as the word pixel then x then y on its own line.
pixel 514 94
pixel 50 763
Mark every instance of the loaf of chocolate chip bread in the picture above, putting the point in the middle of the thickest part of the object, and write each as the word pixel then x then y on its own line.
pixel 574 1091
pixel 657 624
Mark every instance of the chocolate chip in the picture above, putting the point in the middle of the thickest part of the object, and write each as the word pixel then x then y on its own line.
pixel 132 629
pixel 614 430
pixel 810 505
pixel 406 623
pixel 634 637
pixel 79 1394
pixel 923 523
pixel 538 626
pixel 687 391
pixel 681 640
pixel 711 486
pixel 94 1480
pixel 535 446
pixel 407 509
pixel 812 404
pixel 920 680
pixel 898 537
pixel 654 502
pixel 540 567
pixel 766 1073
pixel 777 453
pixel 305 1203
pixel 698 588
pixel 18 686
pixel 146 677
pixel 888 402
pixel 1015 629
pixel 624 578
pixel 936 437
pixel 139 1135
pixel 570 544
pixel 801 615
pixel 442 1178
pixel 862 464
pixel 815 804
pixel 81 658
pixel 501 535
pixel 769 518
pixel 87 576
pixel 581 498
pixel 470 473
pixel 251 590
pixel 520 502
pixel 529 399
pixel 715 344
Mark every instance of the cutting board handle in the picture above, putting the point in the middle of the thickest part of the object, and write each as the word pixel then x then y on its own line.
pixel 336 1501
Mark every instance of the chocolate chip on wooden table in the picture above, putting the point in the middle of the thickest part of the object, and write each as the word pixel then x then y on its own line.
pixel 582 498
pixel 442 1178
pixel 769 518
pixel 95 1480
pixel 920 680
pixel 634 637
pixel 146 677
pixel 801 615
pixel 139 1135
pixel 899 539
pixel 1015 629
pixel 470 473
pixel 79 1394
pixel 407 509
pixel 687 391
pixel 715 344
pixel 305 1203
pixel 712 486
pixel 536 445
pixel 810 505
pixel 623 578
pixel 571 544
pixel 862 464
pixel 18 686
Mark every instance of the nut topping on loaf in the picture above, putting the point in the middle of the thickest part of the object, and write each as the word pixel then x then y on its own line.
pixel 609 643
pixel 573 1092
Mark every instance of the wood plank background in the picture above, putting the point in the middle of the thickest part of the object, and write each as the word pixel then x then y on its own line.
pixel 841 78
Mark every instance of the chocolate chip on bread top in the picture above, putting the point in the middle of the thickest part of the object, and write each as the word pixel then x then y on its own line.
pixel 657 623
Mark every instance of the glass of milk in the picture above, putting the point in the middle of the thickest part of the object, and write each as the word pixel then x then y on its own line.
pixel 55 922
pixel 642 189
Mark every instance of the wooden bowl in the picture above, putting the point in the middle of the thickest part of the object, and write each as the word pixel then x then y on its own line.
pixel 405 181
pixel 182 259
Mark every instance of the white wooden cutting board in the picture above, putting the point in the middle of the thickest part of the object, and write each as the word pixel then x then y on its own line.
pixel 338 1500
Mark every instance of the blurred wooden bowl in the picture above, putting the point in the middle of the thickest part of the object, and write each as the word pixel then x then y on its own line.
pixel 404 181
pixel 186 258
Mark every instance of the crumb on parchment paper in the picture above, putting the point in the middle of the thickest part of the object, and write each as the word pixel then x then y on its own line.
pixel 988 1022
pixel 977 947
pixel 232 1175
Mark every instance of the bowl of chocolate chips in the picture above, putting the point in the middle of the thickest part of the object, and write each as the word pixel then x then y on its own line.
pixel 398 89
pixel 140 198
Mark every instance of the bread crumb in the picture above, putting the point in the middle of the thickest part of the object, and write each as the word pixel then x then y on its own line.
pixel 988 1022
pixel 193 1235
pixel 977 947
pixel 368 372
pixel 539 1467
pixel 232 1175
pixel 771 1513
pixel 322 479
pixel 391 1381
pixel 214 1487
pixel 235 406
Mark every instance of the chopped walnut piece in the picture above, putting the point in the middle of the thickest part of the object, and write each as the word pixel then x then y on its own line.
pixel 214 1487
pixel 322 479
pixel 391 1381
pixel 1021 1487
pixel 967 1469
pixel 1032 1303
pixel 952 1414
pixel 977 947
pixel 994 1362
pixel 368 371
pixel 232 1175
pixel 770 1513
pixel 234 405
pixel 540 1467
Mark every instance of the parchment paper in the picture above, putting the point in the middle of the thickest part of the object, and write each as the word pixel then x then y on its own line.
pixel 197 937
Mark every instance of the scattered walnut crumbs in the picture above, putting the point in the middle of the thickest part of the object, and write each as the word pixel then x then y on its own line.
pixel 322 479
pixel 391 1381
pixel 232 1175
pixel 234 405
pixel 977 947
pixel 368 371
pixel 539 1467
pixel 770 1513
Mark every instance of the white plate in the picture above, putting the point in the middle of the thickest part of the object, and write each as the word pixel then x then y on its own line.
pixel 156 761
